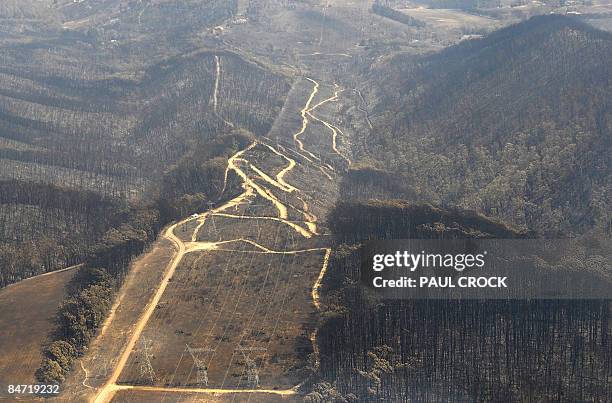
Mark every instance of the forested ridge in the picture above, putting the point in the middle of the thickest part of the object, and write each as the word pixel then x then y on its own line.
pixel 374 349
pixel 122 140
pixel 113 136
pixel 516 125
pixel 107 111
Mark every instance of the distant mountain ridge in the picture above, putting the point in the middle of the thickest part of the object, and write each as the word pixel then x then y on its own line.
pixel 517 124
pixel 518 55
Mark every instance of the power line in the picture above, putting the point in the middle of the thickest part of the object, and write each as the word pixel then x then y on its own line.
pixel 201 367
pixel 146 369
pixel 252 372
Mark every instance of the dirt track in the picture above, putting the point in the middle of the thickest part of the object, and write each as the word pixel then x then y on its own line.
pixel 265 184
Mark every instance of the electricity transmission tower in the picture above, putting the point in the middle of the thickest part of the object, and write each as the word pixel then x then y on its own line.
pixel 201 367
pixel 146 369
pixel 252 372
pixel 212 216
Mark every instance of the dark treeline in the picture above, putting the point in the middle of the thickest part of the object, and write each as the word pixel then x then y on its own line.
pixel 365 179
pixel 90 293
pixel 187 188
pixel 46 227
pixel 355 221
pixel 469 351
pixel 430 351
pixel 81 313
pixel 198 178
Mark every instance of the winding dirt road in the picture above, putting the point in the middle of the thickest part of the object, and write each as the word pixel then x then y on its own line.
pixel 215 97
pixel 264 185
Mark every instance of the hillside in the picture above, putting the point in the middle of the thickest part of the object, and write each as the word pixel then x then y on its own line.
pixel 97 102
pixel 91 134
pixel 516 125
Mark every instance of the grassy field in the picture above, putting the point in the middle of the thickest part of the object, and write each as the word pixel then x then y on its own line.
pixel 28 309
pixel 226 300
pixel 447 17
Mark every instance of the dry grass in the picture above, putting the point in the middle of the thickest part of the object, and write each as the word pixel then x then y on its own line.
pixel 27 312
pixel 222 300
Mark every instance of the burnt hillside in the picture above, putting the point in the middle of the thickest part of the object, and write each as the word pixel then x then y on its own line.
pixel 515 125
pixel 396 350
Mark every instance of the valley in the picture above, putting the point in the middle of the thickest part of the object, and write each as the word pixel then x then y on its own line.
pixel 214 166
